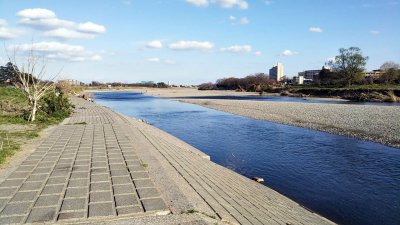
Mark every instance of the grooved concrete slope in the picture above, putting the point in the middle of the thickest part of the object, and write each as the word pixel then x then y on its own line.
pixel 90 168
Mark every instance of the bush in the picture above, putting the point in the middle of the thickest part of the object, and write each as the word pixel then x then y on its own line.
pixel 54 107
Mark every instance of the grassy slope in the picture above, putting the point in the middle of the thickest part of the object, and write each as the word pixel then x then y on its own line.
pixel 13 106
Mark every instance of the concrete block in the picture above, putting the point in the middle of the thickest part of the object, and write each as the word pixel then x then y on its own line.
pixel 155 204
pixel 129 210
pixel 148 193
pixel 52 189
pixel 76 192
pixel 73 204
pixel 24 196
pixel 126 200
pixel 104 186
pixel 144 183
pixel 49 200
pixel 41 215
pixel 101 197
pixel 101 209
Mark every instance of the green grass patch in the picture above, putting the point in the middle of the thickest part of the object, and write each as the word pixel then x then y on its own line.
pixel 8 146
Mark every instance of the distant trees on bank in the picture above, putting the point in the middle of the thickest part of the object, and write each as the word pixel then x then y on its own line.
pixel 256 82
pixel 345 70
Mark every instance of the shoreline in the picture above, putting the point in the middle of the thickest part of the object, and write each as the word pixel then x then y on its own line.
pixel 365 122
pixel 378 124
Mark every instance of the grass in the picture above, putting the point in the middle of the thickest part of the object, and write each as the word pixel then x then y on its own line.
pixel 14 107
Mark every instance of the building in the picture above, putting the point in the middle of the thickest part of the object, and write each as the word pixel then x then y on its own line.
pixel 298 80
pixel 374 74
pixel 72 82
pixel 276 72
pixel 309 75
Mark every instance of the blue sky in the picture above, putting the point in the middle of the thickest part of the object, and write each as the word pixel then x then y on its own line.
pixel 195 41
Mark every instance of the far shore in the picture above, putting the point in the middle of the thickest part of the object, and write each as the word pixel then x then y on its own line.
pixel 367 122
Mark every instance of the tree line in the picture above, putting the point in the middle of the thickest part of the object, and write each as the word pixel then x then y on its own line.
pixel 256 82
pixel 345 70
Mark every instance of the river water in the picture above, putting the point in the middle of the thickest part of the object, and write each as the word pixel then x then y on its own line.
pixel 346 180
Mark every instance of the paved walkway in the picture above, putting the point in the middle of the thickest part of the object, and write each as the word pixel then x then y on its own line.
pixel 92 168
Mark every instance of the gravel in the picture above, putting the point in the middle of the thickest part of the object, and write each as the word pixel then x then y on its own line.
pixel 367 122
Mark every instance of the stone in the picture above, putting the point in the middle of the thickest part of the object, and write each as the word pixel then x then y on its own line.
pixel 155 204
pixel 41 215
pixel 24 196
pixel 129 210
pixel 100 209
pixel 126 200
pixel 76 192
pixel 73 204
pixel 52 189
pixel 49 200
pixel 100 197
pixel 148 193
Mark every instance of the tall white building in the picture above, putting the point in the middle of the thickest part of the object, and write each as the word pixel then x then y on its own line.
pixel 276 72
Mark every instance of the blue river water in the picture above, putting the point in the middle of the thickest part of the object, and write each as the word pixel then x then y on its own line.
pixel 346 180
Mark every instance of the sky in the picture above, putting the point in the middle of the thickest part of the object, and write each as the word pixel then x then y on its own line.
pixel 195 41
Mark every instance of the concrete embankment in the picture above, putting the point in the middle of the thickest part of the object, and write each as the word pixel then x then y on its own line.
pixel 367 122
pixel 102 167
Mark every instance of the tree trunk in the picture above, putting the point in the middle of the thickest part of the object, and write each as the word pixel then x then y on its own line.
pixel 33 112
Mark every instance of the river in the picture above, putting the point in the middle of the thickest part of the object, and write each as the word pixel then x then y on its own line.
pixel 346 180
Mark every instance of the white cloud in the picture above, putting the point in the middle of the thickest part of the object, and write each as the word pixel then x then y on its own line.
pixel 289 53
pixel 202 3
pixel 169 61
pixel 8 33
pixel 156 60
pixel 374 32
pixel 232 18
pixel 244 21
pixel 65 33
pixel 46 23
pixel 59 51
pixel 237 49
pixel 154 44
pixel 315 29
pixel 45 19
pixel 257 53
pixel 3 23
pixel 241 4
pixel 231 3
pixel 36 13
pixel 90 27
pixel 191 45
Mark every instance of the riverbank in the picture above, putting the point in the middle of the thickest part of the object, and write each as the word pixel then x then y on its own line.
pixel 373 123
pixel 102 166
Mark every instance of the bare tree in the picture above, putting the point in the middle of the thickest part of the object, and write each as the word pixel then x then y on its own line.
pixel 31 78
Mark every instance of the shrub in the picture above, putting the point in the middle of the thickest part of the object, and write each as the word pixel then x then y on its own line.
pixel 54 107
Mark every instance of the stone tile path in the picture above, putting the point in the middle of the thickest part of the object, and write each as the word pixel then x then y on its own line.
pixel 80 171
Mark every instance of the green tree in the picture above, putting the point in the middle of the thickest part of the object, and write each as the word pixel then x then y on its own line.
pixel 349 65
pixel 390 72
pixel 326 77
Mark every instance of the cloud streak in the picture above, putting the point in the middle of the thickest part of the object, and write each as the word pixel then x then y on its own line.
pixel 241 4
pixel 59 51
pixel 315 29
pixel 191 45
pixel 237 49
